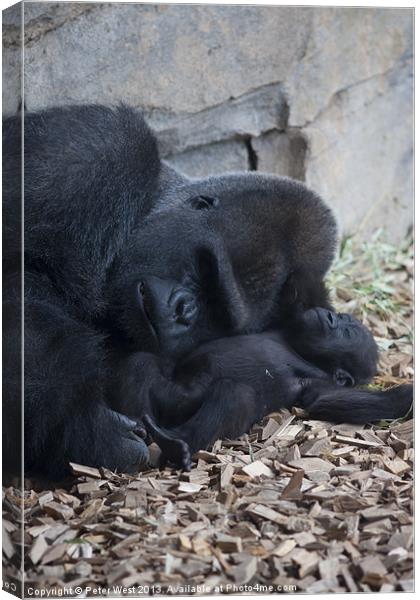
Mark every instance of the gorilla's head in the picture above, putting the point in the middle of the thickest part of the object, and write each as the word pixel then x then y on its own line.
pixel 230 255
pixel 318 334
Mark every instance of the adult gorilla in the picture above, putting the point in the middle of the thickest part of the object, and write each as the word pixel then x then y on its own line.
pixel 128 262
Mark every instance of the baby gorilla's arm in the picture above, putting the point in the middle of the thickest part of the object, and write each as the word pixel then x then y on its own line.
pixel 222 389
pixel 231 408
pixel 228 410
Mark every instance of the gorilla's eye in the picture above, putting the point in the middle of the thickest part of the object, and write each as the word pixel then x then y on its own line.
pixel 203 202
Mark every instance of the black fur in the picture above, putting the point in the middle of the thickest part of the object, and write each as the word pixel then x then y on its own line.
pixel 227 385
pixel 130 265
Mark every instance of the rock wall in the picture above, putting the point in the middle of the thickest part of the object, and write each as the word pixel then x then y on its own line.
pixel 321 94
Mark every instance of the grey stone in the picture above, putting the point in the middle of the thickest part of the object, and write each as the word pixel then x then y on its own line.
pixel 12 16
pixel 319 94
pixel 346 46
pixel 214 158
pixel 249 115
pixel 12 59
pixel 177 58
pixel 351 97
pixel 281 153
pixel 360 158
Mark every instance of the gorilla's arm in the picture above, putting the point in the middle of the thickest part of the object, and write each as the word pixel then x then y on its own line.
pixel 66 418
pixel 91 174
pixel 141 383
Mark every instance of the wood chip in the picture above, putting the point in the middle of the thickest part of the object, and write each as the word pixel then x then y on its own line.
pixel 39 548
pixel 196 476
pixel 84 470
pixel 293 488
pixel 373 570
pixel 45 497
pixel 187 487
pixel 267 513
pixel 184 543
pixel 348 578
pixel 315 447
pixel 245 571
pixel 226 475
pixel 271 427
pixel 258 469
pixel 284 548
pixel 88 487
pixel 309 464
pixel 307 561
pixel 374 513
pixel 54 553
pixel 201 547
pixel 7 544
pixel 384 475
pixel 59 511
pixel 396 466
pixel 228 544
pixel 357 442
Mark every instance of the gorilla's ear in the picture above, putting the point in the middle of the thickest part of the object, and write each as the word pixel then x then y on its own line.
pixel 343 378
pixel 203 202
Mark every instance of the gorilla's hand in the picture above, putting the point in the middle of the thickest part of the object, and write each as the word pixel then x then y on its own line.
pixel 134 376
pixel 174 449
pixel 123 450
pixel 105 439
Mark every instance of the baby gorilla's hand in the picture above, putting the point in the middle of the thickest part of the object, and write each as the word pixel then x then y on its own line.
pixel 311 390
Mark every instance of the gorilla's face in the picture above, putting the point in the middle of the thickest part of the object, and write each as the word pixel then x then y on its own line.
pixel 219 262
pixel 336 342
pixel 186 285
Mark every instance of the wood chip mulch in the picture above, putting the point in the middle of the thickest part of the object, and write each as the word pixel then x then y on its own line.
pixel 297 505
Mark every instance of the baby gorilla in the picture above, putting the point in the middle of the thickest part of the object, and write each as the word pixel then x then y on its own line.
pixel 227 385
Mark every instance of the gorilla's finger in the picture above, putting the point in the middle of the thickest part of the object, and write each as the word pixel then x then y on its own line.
pixel 134 455
pixel 140 430
pixel 173 448
pixel 133 435
pixel 122 420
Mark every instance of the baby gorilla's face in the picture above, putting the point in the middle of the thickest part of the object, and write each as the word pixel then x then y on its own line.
pixel 337 343
pixel 324 323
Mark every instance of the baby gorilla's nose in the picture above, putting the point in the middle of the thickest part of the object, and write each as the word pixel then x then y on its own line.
pixel 331 319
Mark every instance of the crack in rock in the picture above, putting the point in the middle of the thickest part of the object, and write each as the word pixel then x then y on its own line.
pixel 39 26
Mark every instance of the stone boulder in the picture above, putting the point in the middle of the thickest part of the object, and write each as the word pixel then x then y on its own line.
pixel 324 95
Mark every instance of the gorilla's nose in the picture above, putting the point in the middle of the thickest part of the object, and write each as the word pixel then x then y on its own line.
pixel 167 305
pixel 184 307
